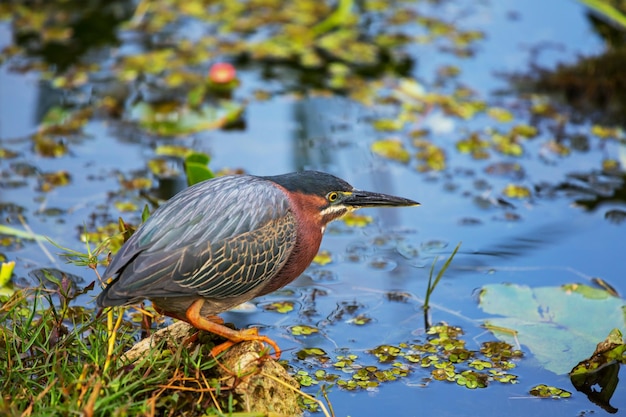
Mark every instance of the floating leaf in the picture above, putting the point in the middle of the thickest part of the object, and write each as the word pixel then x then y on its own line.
pixel 7 153
pixel 49 147
pixel 356 220
pixel 360 320
pixel 304 378
pixel 409 88
pixel 323 258
pixel 475 145
pixel 173 150
pixel 499 114
pixel 589 292
pixel 303 330
pixel 471 379
pixel 516 191
pixel 507 144
pixel 560 326
pixel 312 353
pixel 140 183
pixel 126 206
pixel 462 109
pixel 525 131
pixel 388 125
pixel 280 306
pixel 391 149
pixel 546 391
pixel 609 165
pixel 50 180
pixel 610 350
pixel 172 118
pixel 597 376
pixel 62 121
pixel 433 158
pixel 604 132
pixel 162 168
pixel 557 148
pixel 196 96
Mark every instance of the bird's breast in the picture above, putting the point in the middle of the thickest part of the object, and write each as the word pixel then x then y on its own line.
pixel 307 243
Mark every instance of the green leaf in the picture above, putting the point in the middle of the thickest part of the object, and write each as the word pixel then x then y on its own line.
pixel 196 168
pixel 560 326
pixel 391 149
pixel 610 350
pixel 303 330
pixel 173 150
pixel 172 118
pixel 546 391
pixel 323 258
pixel 607 10
pixel 6 270
pixel 597 375
pixel 499 114
pixel 197 173
pixel 199 158
pixel 516 191
pixel 280 306
pixel 339 17
pixel 145 213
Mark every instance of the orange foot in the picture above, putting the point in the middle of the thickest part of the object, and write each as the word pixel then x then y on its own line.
pixel 233 336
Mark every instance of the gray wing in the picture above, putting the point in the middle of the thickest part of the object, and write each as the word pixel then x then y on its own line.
pixel 221 238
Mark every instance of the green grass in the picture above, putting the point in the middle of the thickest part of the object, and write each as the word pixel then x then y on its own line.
pixel 54 364
pixel 432 284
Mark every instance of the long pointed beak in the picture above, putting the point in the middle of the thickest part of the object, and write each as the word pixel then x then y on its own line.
pixel 360 199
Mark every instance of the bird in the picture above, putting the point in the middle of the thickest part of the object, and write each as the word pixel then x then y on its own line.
pixel 227 240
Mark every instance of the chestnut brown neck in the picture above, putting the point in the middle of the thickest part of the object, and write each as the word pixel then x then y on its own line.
pixel 306 210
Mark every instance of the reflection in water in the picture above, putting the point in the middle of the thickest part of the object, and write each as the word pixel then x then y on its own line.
pixel 594 87
pixel 598 189
pixel 511 247
pixel 309 115
pixel 85 26
pixel 599 385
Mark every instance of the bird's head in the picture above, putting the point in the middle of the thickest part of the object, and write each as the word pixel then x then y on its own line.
pixel 330 197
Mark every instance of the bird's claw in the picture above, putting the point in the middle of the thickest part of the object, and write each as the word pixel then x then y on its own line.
pixel 251 334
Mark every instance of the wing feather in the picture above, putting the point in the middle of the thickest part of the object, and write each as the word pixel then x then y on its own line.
pixel 221 238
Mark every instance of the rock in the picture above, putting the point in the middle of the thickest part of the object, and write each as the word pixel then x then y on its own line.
pixel 261 384
pixel 258 382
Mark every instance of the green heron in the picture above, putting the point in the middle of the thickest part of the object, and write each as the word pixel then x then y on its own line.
pixel 224 241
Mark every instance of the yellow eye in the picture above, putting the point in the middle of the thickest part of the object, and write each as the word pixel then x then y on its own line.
pixel 332 196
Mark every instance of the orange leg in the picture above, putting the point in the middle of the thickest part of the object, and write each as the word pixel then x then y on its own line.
pixel 233 336
pixel 215 319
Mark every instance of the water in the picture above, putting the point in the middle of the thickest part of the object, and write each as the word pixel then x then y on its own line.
pixel 553 243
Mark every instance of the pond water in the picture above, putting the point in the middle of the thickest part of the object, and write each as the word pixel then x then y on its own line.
pixel 549 239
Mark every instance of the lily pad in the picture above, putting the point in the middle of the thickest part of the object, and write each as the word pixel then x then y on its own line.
pixel 173 119
pixel 559 325
pixel 391 149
